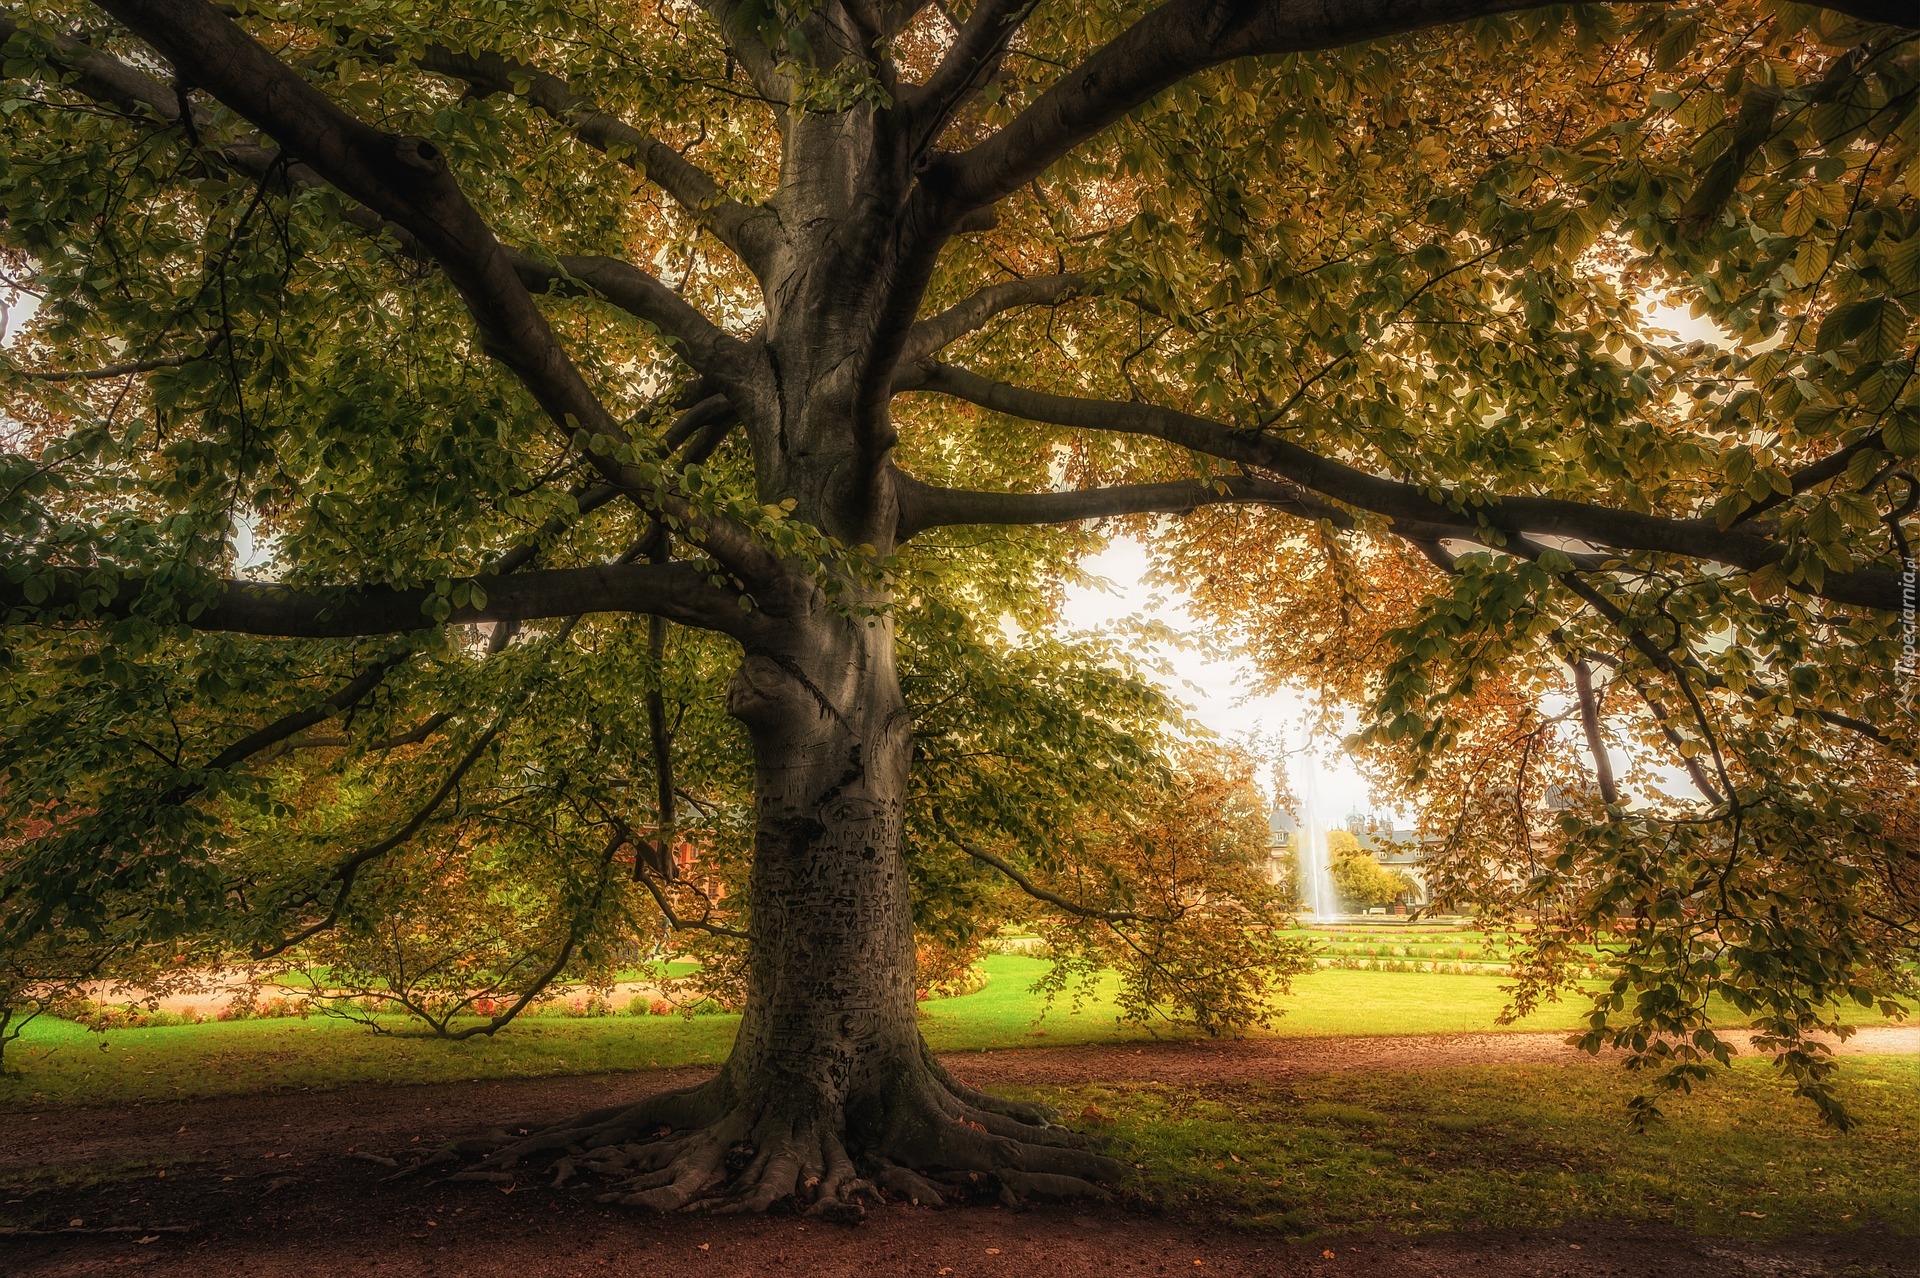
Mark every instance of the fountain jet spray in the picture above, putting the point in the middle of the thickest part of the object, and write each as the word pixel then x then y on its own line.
pixel 1316 878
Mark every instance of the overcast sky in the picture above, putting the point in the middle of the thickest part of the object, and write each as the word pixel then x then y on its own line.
pixel 1215 682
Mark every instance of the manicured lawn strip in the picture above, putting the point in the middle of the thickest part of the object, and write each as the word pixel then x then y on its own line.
pixel 1323 1003
pixel 59 1063
pixel 1534 1146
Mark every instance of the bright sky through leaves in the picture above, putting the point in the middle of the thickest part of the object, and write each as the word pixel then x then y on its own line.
pixel 1217 683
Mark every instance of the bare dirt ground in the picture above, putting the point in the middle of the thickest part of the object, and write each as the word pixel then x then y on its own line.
pixel 275 1185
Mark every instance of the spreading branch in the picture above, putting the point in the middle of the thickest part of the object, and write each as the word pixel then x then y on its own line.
pixel 347 871
pixel 406 181
pixel 1182 38
pixel 923 506
pixel 1038 893
pixel 678 924
pixel 949 326
pixel 703 344
pixel 107 371
pixel 575 934
pixel 750 233
pixel 675 591
pixel 291 725
pixel 1590 726
pixel 970 62
pixel 111 82
pixel 1414 506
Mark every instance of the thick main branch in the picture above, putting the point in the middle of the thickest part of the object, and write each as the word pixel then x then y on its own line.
pixel 923 506
pixel 407 182
pixel 1404 503
pixel 676 591
pixel 1185 37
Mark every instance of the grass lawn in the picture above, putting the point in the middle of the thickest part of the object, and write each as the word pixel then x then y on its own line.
pixel 1326 1002
pixel 1537 1146
pixel 59 1063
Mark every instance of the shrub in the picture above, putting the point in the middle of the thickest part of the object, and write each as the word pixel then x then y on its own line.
pixel 589 1006
pixel 101 1017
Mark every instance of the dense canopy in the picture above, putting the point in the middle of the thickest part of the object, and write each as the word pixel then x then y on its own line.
pixel 456 453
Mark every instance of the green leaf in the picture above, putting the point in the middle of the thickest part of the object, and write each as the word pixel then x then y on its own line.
pixel 1799 216
pixel 1903 264
pixel 1885 334
pixel 1902 434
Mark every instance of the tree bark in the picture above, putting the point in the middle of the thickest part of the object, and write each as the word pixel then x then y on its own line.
pixel 830 1005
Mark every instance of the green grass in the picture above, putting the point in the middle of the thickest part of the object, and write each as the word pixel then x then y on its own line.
pixel 1327 1002
pixel 59 1063
pixel 1535 1146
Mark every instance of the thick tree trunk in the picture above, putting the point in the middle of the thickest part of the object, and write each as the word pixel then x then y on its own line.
pixel 829 1095
pixel 830 1007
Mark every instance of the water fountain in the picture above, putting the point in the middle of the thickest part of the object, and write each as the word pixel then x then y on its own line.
pixel 1316 880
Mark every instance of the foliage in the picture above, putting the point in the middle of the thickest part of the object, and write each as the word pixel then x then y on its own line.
pixel 1358 877
pixel 1487 320
pixel 466 936
pixel 1198 933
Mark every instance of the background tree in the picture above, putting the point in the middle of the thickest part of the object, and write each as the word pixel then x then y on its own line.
pixel 1359 879
pixel 697 314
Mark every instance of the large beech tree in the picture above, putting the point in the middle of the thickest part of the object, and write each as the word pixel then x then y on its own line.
pixel 757 320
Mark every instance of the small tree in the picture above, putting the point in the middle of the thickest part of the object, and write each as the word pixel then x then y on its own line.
pixel 1359 878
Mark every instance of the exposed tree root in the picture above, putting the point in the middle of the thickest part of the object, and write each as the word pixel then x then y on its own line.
pixel 927 1139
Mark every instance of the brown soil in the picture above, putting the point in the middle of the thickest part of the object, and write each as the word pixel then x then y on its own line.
pixel 270 1185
